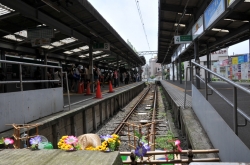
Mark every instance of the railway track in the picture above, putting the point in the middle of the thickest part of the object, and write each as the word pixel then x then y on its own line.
pixel 141 116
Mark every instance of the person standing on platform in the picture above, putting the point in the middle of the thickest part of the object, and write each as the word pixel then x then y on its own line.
pixel 57 76
pixel 115 76
pixel 86 76
pixel 97 74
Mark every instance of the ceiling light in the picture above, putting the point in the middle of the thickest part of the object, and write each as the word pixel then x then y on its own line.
pixel 51 5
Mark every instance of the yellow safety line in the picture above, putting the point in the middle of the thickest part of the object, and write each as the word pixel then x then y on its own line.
pixel 181 89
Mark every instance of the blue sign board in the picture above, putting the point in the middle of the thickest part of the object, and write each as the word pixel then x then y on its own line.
pixel 240 59
pixel 213 11
pixel 245 57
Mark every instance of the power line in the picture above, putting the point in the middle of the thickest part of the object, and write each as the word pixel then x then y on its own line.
pixel 139 11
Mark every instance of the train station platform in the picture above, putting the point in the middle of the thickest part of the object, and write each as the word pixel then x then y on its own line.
pixel 86 116
pixel 214 117
pixel 221 106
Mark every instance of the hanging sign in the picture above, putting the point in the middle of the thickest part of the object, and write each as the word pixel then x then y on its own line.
pixel 213 11
pixel 183 39
pixel 101 46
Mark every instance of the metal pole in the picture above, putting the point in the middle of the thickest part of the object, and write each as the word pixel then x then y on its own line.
pixel 91 65
pixel 190 70
pixel 180 71
pixel 206 85
pixel 21 77
pixel 196 55
pixel 208 62
pixel 46 70
pixel 186 87
pixel 67 85
pixel 173 70
pixel 235 114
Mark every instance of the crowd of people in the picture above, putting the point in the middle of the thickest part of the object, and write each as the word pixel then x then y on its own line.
pixel 78 74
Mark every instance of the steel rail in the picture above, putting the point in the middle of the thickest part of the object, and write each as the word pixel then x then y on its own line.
pixel 152 132
pixel 122 124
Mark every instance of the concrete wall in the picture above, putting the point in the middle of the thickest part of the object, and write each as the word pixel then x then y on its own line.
pixel 232 149
pixel 26 106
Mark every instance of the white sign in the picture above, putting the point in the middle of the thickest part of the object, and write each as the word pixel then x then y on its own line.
pixel 213 11
pixel 198 28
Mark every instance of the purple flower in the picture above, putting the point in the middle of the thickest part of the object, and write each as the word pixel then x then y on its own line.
pixel 35 140
pixel 147 147
pixel 105 137
pixel 140 151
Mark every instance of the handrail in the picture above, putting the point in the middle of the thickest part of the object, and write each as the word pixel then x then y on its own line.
pixel 20 73
pixel 235 85
pixel 31 64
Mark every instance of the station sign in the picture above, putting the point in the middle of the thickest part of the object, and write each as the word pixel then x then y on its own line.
pixel 101 46
pixel 40 32
pixel 182 39
pixel 213 11
pixel 198 29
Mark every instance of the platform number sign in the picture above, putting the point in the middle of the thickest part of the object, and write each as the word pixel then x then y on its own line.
pixel 182 39
pixel 101 46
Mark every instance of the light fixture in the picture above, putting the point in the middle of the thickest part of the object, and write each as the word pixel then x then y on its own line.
pixel 93 34
pixel 51 5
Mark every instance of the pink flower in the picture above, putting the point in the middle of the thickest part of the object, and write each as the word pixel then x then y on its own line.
pixel 71 140
pixel 8 141
pixel 178 143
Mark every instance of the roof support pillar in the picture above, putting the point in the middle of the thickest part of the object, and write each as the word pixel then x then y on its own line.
pixel 208 63
pixel 91 76
pixel 180 70
pixel 173 71
pixel 46 69
pixel 197 60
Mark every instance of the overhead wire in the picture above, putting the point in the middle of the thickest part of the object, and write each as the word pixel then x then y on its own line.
pixel 139 11
pixel 176 30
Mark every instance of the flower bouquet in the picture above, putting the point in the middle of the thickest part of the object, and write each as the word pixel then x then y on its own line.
pixel 68 143
pixel 40 142
pixel 110 143
pixel 6 142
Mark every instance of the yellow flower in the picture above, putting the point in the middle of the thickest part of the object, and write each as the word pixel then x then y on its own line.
pixel 64 137
pixel 115 136
pixel 110 140
pixel 104 143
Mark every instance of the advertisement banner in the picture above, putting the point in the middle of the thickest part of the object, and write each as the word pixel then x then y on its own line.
pixel 246 58
pixel 225 62
pixel 213 11
pixel 235 60
pixel 244 71
pixel 229 60
pixel 198 28
pixel 235 72
pixel 240 59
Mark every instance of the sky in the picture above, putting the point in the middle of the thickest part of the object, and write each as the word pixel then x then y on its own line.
pixel 123 16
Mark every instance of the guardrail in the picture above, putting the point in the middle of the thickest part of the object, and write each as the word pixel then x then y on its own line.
pixel 236 86
pixel 33 81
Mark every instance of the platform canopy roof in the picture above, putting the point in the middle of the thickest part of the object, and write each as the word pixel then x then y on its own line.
pixel 182 17
pixel 76 24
